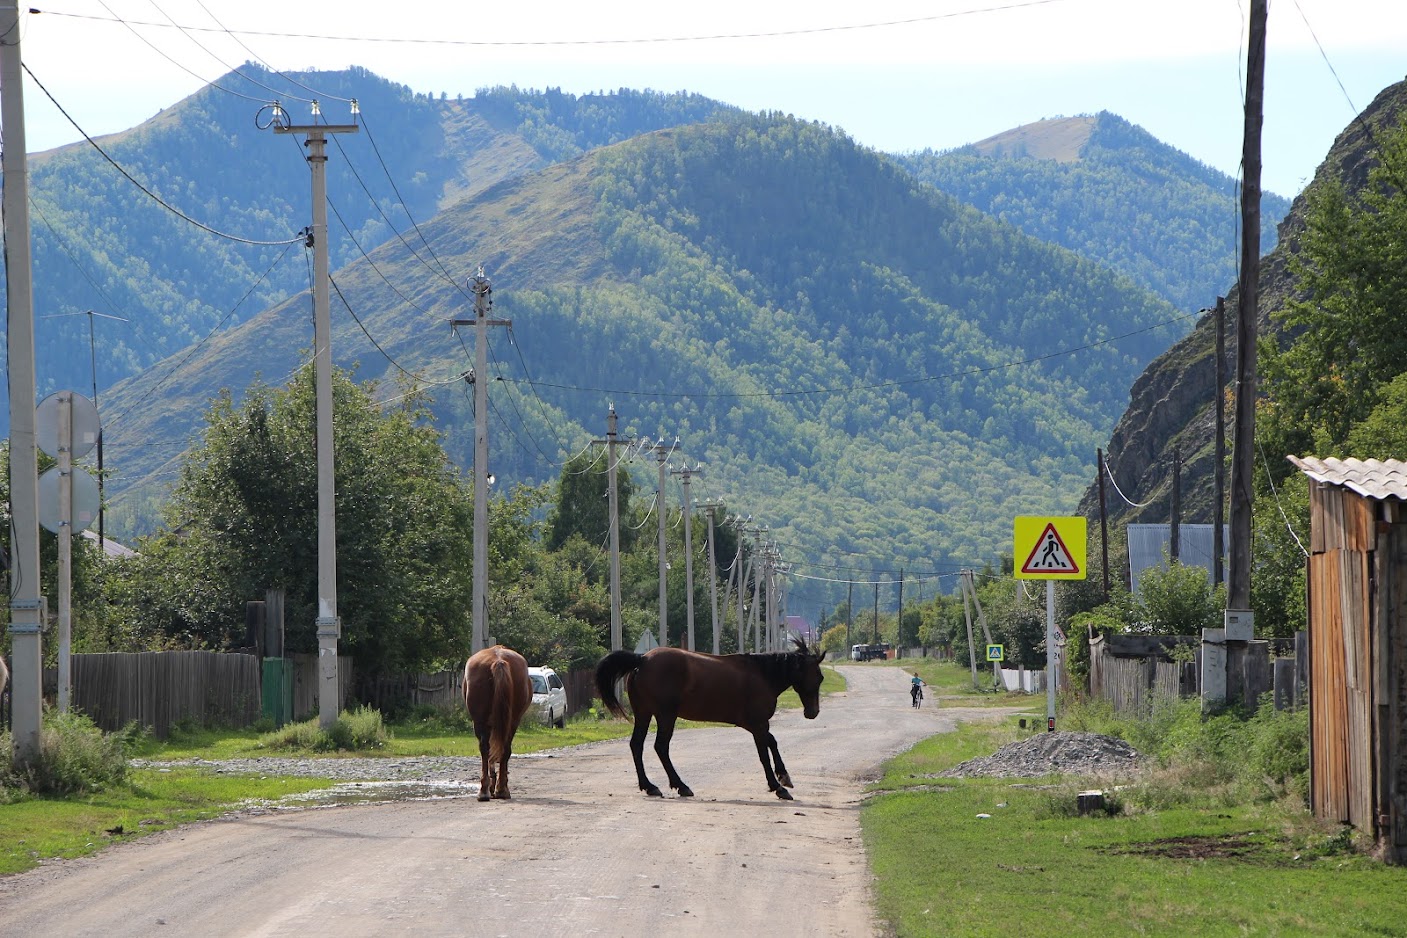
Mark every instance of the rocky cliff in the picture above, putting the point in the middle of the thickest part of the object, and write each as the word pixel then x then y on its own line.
pixel 1170 405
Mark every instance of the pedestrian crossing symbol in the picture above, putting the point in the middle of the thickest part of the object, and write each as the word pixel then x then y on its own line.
pixel 1049 548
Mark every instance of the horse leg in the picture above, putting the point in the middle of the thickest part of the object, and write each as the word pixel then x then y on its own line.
pixel 761 737
pixel 782 775
pixel 501 788
pixel 637 751
pixel 485 782
pixel 664 731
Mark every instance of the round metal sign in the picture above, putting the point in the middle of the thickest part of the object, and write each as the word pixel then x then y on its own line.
pixel 83 507
pixel 83 421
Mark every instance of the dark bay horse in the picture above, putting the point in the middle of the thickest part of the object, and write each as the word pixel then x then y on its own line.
pixel 669 683
pixel 497 693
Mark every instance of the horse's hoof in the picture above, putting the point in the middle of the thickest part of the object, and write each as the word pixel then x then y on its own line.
pixel 654 792
pixel 783 794
pixel 503 795
pixel 785 779
pixel 483 796
pixel 685 791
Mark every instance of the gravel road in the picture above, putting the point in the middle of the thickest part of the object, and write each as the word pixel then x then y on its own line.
pixel 578 848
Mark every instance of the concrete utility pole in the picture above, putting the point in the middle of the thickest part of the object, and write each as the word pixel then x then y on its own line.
pixel 711 507
pixel 1238 623
pixel 613 508
pixel 758 567
pixel 1175 527
pixel 1219 404
pixel 661 456
pixel 65 536
pixel 1103 521
pixel 26 604
pixel 685 475
pixel 483 302
pixel 899 618
pixel 329 626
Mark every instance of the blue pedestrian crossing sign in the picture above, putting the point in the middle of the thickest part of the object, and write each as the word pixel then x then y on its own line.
pixel 996 652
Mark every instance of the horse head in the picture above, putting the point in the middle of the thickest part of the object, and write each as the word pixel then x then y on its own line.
pixel 807 677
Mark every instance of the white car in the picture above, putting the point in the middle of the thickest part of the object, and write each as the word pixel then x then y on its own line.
pixel 549 696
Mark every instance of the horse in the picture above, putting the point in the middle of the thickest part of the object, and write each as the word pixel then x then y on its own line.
pixel 669 683
pixel 497 693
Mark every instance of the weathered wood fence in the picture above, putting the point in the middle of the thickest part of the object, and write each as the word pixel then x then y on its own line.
pixel 1141 672
pixel 161 689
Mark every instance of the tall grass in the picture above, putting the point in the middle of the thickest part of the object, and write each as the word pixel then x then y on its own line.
pixel 74 758
pixel 353 731
pixel 1230 756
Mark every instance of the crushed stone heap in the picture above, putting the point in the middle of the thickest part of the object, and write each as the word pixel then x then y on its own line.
pixel 1063 753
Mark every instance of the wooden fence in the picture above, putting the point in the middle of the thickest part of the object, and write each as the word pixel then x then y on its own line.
pixel 161 689
pixel 1137 673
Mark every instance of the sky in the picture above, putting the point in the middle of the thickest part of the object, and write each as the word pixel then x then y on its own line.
pixel 896 75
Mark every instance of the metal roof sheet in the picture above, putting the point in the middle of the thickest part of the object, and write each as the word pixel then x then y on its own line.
pixel 1371 478
pixel 1148 547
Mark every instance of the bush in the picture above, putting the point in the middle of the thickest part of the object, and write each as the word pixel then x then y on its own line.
pixel 353 730
pixel 74 757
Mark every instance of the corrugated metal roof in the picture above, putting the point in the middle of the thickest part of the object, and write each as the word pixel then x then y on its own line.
pixel 1371 478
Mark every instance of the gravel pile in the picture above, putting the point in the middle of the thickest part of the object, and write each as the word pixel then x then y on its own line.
pixel 1062 753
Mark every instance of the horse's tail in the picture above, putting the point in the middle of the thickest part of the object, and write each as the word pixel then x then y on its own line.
pixel 612 668
pixel 501 721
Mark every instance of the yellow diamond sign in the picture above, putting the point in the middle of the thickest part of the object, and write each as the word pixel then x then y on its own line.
pixel 1049 548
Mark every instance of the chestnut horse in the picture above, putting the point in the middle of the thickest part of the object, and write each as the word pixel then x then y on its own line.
pixel 669 683
pixel 497 693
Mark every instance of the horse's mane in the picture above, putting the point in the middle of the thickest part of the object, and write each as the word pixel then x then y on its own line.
pixel 781 665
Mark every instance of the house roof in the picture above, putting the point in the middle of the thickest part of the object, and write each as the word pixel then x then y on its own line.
pixel 1371 478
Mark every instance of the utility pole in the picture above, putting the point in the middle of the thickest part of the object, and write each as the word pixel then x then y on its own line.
pixel 1103 521
pixel 1175 527
pixel 849 612
pixel 26 604
pixel 661 454
pixel 743 574
pixel 613 508
pixel 685 475
pixel 1219 406
pixel 967 615
pixel 758 569
pixel 876 610
pixel 899 620
pixel 711 507
pixel 1238 622
pixel 479 377
pixel 329 626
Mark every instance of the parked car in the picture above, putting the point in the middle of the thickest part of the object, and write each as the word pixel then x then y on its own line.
pixel 549 696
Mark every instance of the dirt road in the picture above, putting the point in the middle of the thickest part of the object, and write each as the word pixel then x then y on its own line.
pixel 578 849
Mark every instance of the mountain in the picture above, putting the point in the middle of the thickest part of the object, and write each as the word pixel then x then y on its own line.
pixel 1108 190
pixel 107 236
pixel 1171 402
pixel 861 361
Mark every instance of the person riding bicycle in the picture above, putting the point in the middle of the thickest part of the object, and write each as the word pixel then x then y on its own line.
pixel 916 689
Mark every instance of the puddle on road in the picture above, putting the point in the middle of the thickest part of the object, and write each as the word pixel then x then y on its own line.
pixel 371 792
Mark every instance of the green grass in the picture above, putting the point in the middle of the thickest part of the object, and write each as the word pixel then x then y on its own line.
pixel 36 829
pixel 1036 868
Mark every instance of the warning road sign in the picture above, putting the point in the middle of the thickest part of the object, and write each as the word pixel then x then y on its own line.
pixel 996 652
pixel 1049 548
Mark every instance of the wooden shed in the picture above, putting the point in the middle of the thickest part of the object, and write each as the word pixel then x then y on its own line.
pixel 1357 576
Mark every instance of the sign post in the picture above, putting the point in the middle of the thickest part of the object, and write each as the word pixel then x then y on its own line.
pixel 1049 549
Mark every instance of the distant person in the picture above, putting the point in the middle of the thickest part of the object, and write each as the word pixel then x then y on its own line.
pixel 916 690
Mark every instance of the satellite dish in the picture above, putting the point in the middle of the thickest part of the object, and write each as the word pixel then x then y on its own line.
pixel 83 421
pixel 83 508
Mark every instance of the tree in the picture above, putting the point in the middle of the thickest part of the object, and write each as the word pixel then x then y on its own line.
pixel 1177 600
pixel 1347 329
pixel 582 506
pixel 242 519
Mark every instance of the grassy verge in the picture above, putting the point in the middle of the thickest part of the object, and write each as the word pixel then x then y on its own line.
pixel 36 829
pixel 1206 865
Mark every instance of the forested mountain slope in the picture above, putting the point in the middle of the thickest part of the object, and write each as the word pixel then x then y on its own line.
pixel 103 244
pixel 861 361
pixel 1109 190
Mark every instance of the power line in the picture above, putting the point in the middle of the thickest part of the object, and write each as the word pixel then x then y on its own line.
pixel 150 194
pixel 643 40
pixel 348 306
